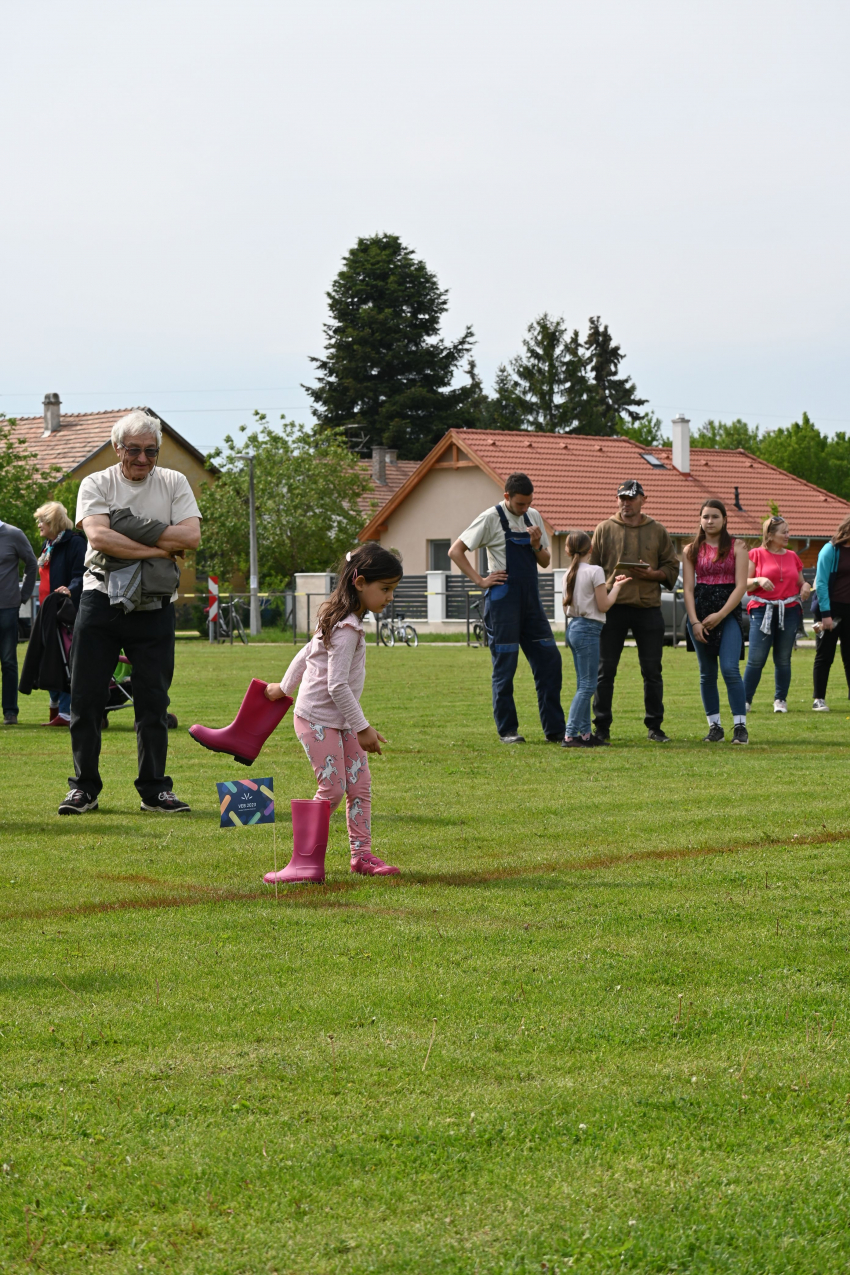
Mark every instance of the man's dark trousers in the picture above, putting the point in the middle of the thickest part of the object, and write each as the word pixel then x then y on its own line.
pixel 647 626
pixel 147 639
pixel 517 622
pixel 9 658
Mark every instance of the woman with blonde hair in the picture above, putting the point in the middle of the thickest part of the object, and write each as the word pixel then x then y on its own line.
pixel 776 591
pixel 60 568
pixel 832 586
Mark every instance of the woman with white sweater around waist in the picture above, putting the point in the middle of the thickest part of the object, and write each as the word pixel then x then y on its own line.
pixel 776 589
pixel 328 719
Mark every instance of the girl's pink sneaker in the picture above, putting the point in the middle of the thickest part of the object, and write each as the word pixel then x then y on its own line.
pixel 371 866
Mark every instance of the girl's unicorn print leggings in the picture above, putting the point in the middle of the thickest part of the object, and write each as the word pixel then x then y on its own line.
pixel 341 766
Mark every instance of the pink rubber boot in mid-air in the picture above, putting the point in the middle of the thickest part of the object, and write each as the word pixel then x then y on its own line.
pixel 257 718
pixel 311 821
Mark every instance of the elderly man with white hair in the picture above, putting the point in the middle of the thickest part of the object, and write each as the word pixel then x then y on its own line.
pixel 104 627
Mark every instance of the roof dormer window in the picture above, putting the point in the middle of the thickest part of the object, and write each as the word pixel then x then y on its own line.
pixel 653 460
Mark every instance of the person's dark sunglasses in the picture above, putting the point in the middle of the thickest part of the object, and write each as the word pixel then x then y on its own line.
pixel 135 452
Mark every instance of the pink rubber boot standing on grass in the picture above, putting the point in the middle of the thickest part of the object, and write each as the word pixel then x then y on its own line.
pixel 310 826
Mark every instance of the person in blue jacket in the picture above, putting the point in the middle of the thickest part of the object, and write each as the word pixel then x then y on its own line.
pixel 60 568
pixel 832 586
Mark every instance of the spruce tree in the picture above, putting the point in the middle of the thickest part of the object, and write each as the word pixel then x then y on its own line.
pixel 611 399
pixel 544 387
pixel 386 368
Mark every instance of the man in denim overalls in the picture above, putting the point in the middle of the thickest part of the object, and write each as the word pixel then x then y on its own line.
pixel 517 544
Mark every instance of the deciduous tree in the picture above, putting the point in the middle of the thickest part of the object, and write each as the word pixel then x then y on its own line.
pixel 307 486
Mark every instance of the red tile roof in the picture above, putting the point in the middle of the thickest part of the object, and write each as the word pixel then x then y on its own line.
pixel 576 479
pixel 80 435
pixel 397 476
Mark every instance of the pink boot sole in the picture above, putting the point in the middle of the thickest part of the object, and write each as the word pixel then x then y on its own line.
pixel 369 865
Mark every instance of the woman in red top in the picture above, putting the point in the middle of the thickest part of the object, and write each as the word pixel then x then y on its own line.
pixel 777 590
pixel 714 570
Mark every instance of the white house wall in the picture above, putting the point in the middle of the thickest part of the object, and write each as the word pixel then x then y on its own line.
pixel 439 508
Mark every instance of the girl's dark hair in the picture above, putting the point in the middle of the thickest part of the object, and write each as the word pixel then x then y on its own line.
pixel 578 544
pixel 372 562
pixel 725 545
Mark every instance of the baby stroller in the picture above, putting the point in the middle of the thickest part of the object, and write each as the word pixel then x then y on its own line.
pixel 121 694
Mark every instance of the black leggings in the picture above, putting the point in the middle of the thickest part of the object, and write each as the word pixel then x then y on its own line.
pixel 827 640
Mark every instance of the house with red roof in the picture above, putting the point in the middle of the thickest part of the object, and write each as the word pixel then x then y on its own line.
pixel 575 487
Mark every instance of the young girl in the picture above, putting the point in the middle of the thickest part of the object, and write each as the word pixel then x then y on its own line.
pixel 714 571
pixel 586 601
pixel 328 718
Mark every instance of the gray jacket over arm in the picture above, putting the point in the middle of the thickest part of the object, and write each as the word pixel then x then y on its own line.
pixel 144 584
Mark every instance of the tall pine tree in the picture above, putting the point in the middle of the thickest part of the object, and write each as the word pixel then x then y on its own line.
pixel 542 388
pixel 386 368
pixel 611 399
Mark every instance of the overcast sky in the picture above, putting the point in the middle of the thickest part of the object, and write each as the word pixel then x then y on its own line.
pixel 180 181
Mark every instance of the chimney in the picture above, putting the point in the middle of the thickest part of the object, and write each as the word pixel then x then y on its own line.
pixel 379 466
pixel 392 455
pixel 52 415
pixel 682 443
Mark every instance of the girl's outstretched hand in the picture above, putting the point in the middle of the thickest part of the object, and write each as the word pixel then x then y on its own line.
pixel 368 740
pixel 274 690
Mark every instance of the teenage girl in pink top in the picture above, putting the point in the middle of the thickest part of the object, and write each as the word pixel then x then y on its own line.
pixel 777 590
pixel 328 719
pixel 714 574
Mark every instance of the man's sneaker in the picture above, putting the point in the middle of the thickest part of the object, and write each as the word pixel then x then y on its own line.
pixel 575 741
pixel 748 708
pixel 780 706
pixel 77 803
pixel 820 706
pixel 554 739
pixel 716 733
pixel 658 736
pixel 10 719
pixel 740 735
pixel 600 739
pixel 512 739
pixel 165 804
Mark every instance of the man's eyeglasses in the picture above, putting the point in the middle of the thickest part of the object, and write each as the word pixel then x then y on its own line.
pixel 133 453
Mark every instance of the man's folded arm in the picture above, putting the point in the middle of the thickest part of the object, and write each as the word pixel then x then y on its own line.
pixel 102 538
pixel 181 535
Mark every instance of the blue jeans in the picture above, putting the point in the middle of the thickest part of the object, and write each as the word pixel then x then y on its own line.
pixel 583 640
pixel 727 655
pixel 782 641
pixel 9 658
pixel 63 700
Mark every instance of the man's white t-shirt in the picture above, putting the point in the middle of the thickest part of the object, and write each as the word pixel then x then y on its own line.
pixel 487 530
pixel 165 495
pixel 584 593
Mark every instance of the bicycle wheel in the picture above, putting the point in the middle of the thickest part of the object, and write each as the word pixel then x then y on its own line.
pixel 387 634
pixel 240 628
pixel 411 637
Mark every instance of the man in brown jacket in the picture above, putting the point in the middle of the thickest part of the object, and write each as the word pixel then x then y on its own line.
pixel 644 551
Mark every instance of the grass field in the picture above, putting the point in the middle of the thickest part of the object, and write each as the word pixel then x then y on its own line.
pixel 629 966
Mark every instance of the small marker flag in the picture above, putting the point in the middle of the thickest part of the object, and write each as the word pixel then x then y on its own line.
pixel 246 801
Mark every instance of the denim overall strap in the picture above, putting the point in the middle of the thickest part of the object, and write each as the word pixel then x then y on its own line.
pixel 516 621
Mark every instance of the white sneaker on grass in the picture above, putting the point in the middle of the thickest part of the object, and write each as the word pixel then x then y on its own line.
pixel 748 708
pixel 780 706
pixel 820 706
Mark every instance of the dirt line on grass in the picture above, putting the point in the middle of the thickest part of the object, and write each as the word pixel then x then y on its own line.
pixel 191 894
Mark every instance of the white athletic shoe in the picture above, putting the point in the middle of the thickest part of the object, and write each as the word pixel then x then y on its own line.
pixel 780 706
pixel 820 706
pixel 748 708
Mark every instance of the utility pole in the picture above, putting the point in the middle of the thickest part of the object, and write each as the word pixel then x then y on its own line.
pixel 254 581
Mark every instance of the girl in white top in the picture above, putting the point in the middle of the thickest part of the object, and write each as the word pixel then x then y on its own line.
pixel 586 601
pixel 328 719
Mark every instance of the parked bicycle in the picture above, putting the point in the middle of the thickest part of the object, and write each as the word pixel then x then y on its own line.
pixel 395 629
pixel 229 623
